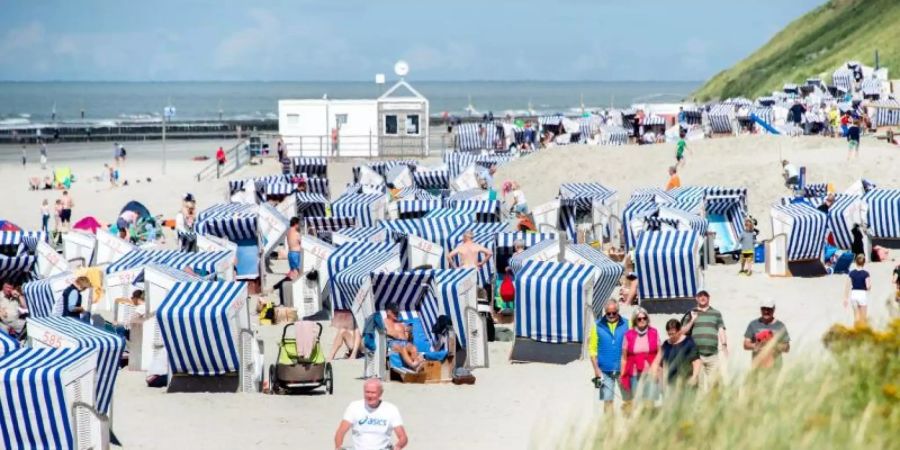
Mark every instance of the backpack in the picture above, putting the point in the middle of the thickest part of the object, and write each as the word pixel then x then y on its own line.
pixel 507 289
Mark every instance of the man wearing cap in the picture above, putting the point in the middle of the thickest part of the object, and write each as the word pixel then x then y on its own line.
pixel 706 326
pixel 767 337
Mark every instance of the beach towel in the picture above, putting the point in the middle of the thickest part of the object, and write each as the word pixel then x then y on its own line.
pixel 305 333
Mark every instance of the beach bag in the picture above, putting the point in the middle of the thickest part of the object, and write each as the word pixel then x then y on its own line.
pixel 507 289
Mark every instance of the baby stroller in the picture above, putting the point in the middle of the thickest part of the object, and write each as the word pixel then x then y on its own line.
pixel 300 372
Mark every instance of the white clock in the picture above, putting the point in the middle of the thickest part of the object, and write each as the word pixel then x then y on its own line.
pixel 401 68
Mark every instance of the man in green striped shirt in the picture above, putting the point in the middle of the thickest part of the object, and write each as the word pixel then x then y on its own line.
pixel 706 327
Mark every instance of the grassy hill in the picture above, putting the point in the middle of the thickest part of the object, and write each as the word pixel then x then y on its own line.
pixel 814 46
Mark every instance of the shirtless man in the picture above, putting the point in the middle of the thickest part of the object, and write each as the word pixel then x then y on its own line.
pixel 65 214
pixel 399 338
pixel 295 251
pixel 468 253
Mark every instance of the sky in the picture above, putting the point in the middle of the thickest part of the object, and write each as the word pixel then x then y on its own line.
pixel 336 40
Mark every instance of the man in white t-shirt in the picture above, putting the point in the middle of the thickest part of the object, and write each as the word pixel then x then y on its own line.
pixel 371 421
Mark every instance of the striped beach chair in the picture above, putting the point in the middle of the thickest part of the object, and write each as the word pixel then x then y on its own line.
pixel 367 209
pixel 66 332
pixel 196 315
pixel 884 212
pixel 553 311
pixel 804 227
pixel 47 399
pixel 44 297
pixel 668 268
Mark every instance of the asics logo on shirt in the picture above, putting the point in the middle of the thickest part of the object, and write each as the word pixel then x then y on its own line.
pixel 373 421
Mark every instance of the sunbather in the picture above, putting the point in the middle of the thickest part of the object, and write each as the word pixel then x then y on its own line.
pixel 399 339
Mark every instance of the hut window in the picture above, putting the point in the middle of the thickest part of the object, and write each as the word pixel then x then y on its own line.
pixel 293 119
pixel 412 124
pixel 390 124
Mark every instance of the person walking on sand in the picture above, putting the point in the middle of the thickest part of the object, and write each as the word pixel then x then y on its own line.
pixel 748 245
pixel 371 421
pixel 24 156
pixel 679 150
pixel 605 342
pixel 468 252
pixel 856 292
pixel 65 215
pixel 295 250
pixel 705 325
pixel 767 338
pixel 45 216
pixel 220 157
pixel 853 134
pixel 43 155
pixel 640 359
pixel 674 179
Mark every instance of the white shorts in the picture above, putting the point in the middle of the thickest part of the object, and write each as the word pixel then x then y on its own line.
pixel 858 297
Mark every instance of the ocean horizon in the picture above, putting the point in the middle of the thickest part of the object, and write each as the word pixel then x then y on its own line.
pixel 30 102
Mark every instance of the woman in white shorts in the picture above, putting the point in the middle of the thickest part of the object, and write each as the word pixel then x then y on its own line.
pixel 858 286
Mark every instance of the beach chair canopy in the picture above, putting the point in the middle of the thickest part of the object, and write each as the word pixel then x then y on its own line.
pixel 413 193
pixel 348 281
pixel 412 293
pixel 884 212
pixel 457 162
pixel 483 210
pixel 345 256
pixel 312 167
pixel 431 179
pixel 198 326
pixel 33 396
pixel 607 272
pixel 406 208
pixel 476 136
pixel 16 269
pixel 44 297
pixel 668 264
pixel 309 204
pixel 633 220
pixel 846 212
pixel 361 234
pixel 232 221
pixel 24 241
pixel 109 349
pixel 7 343
pixel 447 288
pixel 652 195
pixel 199 262
pixel 362 207
pixel 550 301
pixel 805 228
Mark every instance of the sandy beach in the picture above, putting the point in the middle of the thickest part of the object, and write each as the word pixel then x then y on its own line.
pixel 511 405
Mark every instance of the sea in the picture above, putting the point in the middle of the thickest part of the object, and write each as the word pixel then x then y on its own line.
pixel 30 103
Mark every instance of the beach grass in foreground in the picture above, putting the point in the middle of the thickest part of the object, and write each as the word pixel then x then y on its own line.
pixel 850 401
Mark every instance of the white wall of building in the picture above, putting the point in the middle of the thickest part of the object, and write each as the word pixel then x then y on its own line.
pixel 306 125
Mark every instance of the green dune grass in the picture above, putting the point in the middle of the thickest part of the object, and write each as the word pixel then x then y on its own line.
pixel 849 400
pixel 814 46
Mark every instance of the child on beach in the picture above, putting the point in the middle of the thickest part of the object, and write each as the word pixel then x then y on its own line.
pixel 679 150
pixel 748 241
pixel 45 215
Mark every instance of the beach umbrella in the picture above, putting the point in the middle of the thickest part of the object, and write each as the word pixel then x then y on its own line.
pixel 520 123
pixel 89 224
pixel 6 225
pixel 137 208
